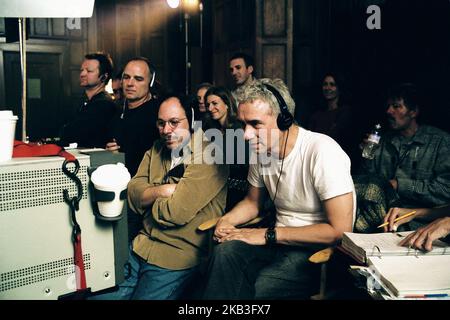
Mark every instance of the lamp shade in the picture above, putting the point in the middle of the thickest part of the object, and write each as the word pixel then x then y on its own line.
pixel 46 8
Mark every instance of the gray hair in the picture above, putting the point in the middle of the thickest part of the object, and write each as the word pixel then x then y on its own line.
pixel 258 91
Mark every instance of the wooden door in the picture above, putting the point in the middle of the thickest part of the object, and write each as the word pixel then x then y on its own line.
pixel 274 26
pixel 44 89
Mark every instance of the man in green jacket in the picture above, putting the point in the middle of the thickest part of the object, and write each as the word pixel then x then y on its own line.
pixel 175 192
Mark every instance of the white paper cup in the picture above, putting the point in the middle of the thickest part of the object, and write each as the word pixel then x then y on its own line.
pixel 111 178
pixel 7 131
pixel 112 208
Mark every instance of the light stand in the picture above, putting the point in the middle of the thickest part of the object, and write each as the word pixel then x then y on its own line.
pixel 23 68
pixel 187 53
pixel 188 6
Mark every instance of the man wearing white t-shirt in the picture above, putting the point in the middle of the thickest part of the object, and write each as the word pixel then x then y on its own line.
pixel 309 181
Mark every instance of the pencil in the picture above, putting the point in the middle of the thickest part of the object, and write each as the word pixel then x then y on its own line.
pixel 398 219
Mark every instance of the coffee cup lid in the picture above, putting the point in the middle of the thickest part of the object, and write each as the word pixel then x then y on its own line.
pixel 7 115
pixel 111 175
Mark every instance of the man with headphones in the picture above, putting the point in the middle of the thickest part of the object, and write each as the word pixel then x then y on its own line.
pixel 175 192
pixel 90 126
pixel 307 177
pixel 133 129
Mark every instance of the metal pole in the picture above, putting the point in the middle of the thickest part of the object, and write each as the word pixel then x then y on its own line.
pixel 200 6
pixel 186 43
pixel 23 63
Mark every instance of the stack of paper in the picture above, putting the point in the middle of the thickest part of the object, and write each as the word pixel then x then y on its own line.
pixel 361 246
pixel 426 276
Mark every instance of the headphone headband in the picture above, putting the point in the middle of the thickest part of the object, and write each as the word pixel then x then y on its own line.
pixel 153 77
pixel 285 119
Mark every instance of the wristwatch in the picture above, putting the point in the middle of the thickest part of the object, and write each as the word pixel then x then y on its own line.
pixel 271 236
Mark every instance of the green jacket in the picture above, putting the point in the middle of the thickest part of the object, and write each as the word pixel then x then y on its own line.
pixel 420 165
pixel 170 238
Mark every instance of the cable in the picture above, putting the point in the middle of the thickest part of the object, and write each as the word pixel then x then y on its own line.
pixel 123 108
pixel 281 171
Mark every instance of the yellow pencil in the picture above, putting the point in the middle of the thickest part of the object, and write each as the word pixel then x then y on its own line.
pixel 398 219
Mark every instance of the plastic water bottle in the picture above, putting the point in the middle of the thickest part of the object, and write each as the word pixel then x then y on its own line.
pixel 372 144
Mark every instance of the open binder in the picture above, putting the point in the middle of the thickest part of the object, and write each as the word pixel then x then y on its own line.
pixel 413 277
pixel 362 246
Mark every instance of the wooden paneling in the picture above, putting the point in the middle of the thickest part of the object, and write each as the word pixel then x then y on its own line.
pixel 219 42
pixel 129 48
pixel 274 40
pixel 59 27
pixel 154 37
pixel 41 27
pixel 75 82
pixel 128 40
pixel 275 19
pixel 106 29
pixel 2 25
pixel 274 61
pixel 233 31
pixel 45 65
pixel 76 53
pixel 79 33
pixel 156 47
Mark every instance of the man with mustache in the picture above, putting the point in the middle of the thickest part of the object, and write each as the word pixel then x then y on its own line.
pixel 175 192
pixel 414 158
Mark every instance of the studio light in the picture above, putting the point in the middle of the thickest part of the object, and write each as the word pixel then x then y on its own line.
pixel 173 3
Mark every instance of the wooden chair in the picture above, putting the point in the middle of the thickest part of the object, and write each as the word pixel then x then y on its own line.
pixel 212 223
pixel 322 257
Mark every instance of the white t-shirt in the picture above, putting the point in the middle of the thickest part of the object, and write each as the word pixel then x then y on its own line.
pixel 315 170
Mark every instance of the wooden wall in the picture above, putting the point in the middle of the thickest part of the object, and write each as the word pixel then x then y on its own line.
pixel 234 30
pixel 261 28
pixel 123 28
pixel 274 26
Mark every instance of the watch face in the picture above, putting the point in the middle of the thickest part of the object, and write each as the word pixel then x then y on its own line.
pixel 271 236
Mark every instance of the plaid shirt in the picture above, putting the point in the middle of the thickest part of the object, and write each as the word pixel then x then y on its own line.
pixel 421 166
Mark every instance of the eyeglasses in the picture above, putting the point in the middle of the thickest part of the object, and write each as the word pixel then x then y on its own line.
pixel 173 123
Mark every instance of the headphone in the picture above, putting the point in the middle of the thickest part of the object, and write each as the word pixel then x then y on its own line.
pixel 153 78
pixel 151 69
pixel 285 119
pixel 284 122
pixel 103 77
pixel 151 81
pixel 192 119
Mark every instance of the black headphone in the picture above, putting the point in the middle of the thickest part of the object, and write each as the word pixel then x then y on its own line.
pixel 285 119
pixel 103 77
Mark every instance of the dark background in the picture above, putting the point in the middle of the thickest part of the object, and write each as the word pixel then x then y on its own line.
pixel 413 45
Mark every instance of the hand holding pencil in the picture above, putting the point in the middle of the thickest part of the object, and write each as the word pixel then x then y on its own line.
pixel 396 217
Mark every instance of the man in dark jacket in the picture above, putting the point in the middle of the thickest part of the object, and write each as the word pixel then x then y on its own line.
pixel 90 126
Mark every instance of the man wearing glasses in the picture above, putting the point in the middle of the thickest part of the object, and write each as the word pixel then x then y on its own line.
pixel 175 192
